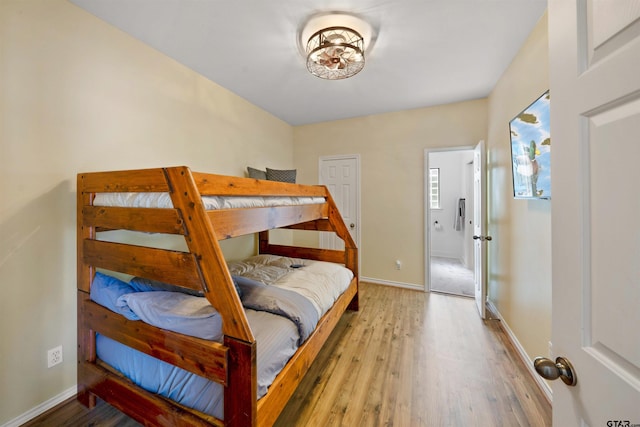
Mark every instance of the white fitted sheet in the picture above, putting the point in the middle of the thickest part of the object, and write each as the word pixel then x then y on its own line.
pixel 163 200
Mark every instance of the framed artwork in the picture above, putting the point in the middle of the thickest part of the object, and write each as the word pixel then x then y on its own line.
pixel 531 151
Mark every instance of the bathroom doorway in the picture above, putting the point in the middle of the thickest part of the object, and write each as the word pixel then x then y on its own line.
pixel 449 208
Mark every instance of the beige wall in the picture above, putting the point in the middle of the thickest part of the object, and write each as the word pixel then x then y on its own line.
pixel 78 95
pixel 391 147
pixel 520 253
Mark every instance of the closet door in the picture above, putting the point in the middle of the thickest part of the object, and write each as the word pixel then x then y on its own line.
pixel 341 175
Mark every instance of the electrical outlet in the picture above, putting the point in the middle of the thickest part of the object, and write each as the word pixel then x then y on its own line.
pixel 398 264
pixel 54 356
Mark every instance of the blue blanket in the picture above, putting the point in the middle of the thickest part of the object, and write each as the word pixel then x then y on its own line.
pixel 192 315
pixel 277 337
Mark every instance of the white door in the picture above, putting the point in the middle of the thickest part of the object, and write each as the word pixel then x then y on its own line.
pixel 480 237
pixel 594 60
pixel 341 176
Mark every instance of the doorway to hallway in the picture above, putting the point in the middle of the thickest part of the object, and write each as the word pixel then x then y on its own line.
pixel 449 195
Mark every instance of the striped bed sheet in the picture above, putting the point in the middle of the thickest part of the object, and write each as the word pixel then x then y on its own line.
pixel 163 200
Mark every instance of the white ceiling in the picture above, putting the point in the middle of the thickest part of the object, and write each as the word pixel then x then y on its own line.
pixel 426 52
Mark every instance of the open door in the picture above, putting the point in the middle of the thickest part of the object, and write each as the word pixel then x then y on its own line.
pixel 594 58
pixel 480 237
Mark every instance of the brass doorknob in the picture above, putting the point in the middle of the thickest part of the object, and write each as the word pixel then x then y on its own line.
pixel 550 370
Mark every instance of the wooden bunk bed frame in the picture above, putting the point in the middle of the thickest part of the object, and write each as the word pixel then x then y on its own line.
pixel 231 363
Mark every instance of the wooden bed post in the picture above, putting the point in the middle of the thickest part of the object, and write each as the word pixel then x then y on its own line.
pixel 263 242
pixel 240 404
pixel 351 261
pixel 86 337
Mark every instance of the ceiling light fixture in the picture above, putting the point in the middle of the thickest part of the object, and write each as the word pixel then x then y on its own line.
pixel 335 53
pixel 334 45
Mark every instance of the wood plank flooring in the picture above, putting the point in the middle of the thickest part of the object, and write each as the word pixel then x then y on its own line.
pixel 415 359
pixel 407 358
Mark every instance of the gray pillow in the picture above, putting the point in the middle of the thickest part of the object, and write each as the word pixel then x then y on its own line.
pixel 288 175
pixel 256 173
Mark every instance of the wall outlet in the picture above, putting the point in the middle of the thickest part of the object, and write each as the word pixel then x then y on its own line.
pixel 398 264
pixel 54 356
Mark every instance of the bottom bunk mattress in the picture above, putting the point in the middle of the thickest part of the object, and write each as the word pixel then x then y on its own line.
pixel 283 298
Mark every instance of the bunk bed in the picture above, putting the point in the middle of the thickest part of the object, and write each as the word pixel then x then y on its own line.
pixel 203 209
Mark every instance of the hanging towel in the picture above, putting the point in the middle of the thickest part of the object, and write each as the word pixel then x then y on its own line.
pixel 458 222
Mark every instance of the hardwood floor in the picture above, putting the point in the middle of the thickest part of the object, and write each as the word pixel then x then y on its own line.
pixel 407 358
pixel 415 359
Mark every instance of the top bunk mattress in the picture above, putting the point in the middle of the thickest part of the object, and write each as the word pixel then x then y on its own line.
pixel 163 200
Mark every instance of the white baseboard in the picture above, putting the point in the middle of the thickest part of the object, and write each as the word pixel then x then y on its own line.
pixel 528 362
pixel 391 283
pixel 42 408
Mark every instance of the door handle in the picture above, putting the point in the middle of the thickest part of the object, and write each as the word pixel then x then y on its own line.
pixel 550 370
pixel 352 226
pixel 482 238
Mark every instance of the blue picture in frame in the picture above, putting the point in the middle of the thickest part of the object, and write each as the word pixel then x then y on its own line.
pixel 531 151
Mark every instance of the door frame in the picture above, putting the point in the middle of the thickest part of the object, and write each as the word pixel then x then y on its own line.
pixel 427 209
pixel 356 157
